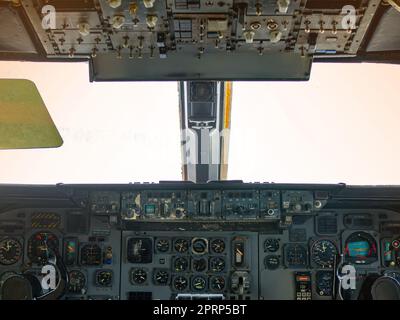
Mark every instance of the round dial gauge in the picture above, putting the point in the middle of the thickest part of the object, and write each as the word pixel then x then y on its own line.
pixel 199 283
pixel 181 264
pixel 104 278
pixel 271 245
pixel 199 246
pixel 10 251
pixel 181 245
pixel 272 262
pixel 39 245
pixel 217 264
pixel 180 283
pixel 161 277
pixel 162 245
pixel 217 283
pixel 77 281
pixel 218 246
pixel 323 253
pixel 199 265
pixel 138 276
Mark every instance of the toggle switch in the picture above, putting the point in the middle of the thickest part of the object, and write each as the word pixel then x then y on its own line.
pixel 126 41
pixel 71 52
pixel 249 36
pixel 275 36
pixel 94 52
pixel 148 3
pixel 283 6
pixel 133 7
pixel 258 9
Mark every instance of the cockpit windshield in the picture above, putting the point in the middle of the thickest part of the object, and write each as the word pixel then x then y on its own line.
pixel 341 126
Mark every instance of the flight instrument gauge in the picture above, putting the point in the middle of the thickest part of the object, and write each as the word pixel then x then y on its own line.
pixel 271 245
pixel 296 256
pixel 161 277
pixel 217 283
pixel 139 250
pixel 180 283
pixel 181 245
pixel 10 251
pixel 138 276
pixel 199 265
pixel 181 264
pixel 272 262
pixel 323 253
pixel 77 281
pixel 217 264
pixel 218 245
pixel 324 283
pixel 162 245
pixel 199 283
pixel 361 248
pixel 199 246
pixel 41 245
pixel 104 278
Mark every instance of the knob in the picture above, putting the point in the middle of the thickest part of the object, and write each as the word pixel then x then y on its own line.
pixel 118 21
pixel 151 21
pixel 114 3
pixel 84 29
pixel 148 3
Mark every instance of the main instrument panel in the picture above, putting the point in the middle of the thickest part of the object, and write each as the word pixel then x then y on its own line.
pixel 210 241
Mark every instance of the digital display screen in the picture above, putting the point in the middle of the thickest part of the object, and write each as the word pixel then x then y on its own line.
pixel 202 110
pixel 359 249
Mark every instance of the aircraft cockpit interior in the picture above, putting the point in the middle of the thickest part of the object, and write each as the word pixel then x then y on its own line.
pixel 205 237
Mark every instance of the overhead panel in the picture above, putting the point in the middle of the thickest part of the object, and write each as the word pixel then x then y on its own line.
pixel 196 39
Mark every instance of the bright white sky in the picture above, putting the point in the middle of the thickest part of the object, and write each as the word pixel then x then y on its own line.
pixel 342 126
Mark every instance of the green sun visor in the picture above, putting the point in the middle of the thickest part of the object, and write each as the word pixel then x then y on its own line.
pixel 25 122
